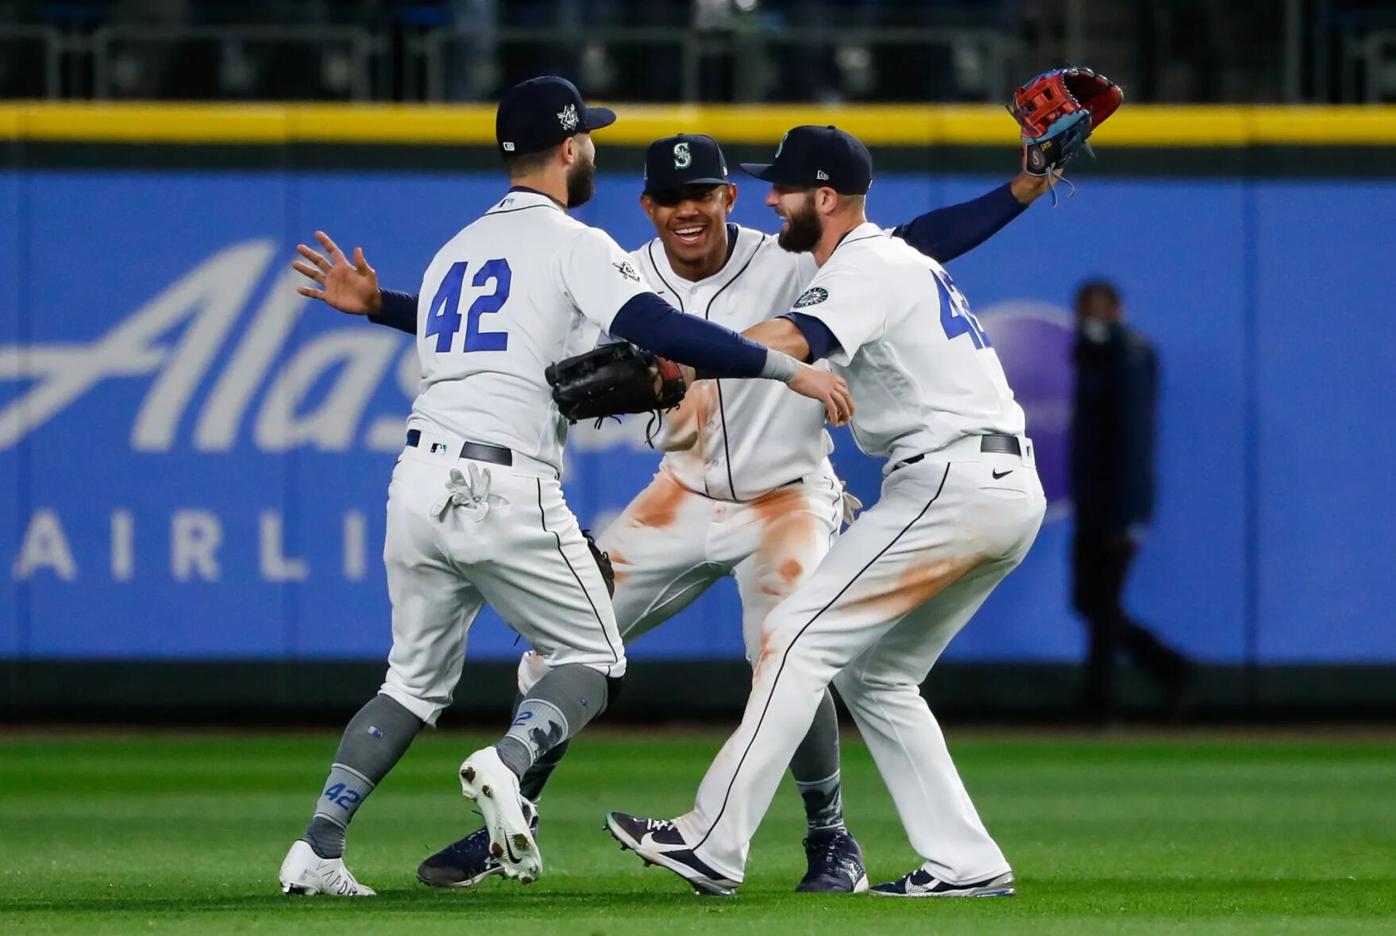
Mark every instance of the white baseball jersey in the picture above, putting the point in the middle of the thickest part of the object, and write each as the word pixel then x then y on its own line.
pixel 737 439
pixel 905 577
pixel 524 286
pixel 752 441
pixel 921 369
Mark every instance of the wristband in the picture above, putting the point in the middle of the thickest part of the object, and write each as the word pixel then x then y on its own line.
pixel 780 366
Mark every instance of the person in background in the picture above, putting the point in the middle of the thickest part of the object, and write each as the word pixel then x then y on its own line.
pixel 1112 480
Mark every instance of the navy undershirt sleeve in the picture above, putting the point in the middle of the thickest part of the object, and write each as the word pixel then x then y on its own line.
pixel 950 232
pixel 399 310
pixel 820 339
pixel 653 324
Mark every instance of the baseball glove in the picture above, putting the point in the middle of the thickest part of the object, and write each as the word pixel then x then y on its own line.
pixel 614 379
pixel 603 562
pixel 1058 110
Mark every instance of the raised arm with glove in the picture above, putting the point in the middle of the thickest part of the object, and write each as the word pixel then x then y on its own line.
pixel 1058 110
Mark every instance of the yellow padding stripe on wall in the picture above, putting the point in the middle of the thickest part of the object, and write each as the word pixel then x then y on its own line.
pixel 878 125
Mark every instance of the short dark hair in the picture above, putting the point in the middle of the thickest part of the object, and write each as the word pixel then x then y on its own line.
pixel 520 164
pixel 1098 287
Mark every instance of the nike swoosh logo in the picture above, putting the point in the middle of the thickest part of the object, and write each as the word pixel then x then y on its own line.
pixel 1002 474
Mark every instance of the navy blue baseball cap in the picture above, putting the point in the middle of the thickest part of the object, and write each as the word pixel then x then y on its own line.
pixel 813 157
pixel 541 112
pixel 684 159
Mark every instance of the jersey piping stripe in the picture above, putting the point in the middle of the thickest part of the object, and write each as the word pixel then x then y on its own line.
pixel 786 655
pixel 721 408
pixel 544 523
pixel 504 211
pixel 678 298
pixel 667 285
pixel 863 238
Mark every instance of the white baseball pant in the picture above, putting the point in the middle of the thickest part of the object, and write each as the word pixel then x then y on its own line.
pixel 671 544
pixel 873 619
pixel 462 533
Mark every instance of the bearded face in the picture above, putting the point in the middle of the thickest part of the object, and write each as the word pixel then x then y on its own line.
pixel 581 178
pixel 803 226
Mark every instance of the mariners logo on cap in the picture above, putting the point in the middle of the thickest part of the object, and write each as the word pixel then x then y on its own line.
pixel 682 158
pixel 568 117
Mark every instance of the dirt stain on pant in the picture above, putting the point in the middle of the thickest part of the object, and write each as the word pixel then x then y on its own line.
pixel 788 535
pixel 657 506
pixel 619 565
pixel 917 584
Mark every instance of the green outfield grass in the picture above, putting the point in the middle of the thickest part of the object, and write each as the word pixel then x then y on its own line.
pixel 1211 834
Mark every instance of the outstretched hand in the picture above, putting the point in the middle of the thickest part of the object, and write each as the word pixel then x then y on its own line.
pixel 348 287
pixel 1027 188
pixel 826 387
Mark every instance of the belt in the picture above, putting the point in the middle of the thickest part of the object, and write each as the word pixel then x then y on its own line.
pixel 994 443
pixel 477 451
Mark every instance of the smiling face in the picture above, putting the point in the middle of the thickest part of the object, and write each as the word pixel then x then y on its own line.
pixel 692 223
pixel 801 225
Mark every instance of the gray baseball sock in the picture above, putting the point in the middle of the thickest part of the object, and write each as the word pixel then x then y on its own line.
pixel 558 706
pixel 816 769
pixel 373 742
pixel 536 777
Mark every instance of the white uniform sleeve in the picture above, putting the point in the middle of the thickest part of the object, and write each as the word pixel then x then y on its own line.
pixel 847 300
pixel 598 276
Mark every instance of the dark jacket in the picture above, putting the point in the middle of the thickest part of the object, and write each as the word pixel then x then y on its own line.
pixel 1113 428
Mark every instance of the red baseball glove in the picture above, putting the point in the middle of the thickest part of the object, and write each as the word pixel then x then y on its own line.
pixel 1058 110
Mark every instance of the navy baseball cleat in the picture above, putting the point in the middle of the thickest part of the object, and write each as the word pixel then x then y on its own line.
pixel 659 842
pixel 465 862
pixel 922 883
pixel 835 864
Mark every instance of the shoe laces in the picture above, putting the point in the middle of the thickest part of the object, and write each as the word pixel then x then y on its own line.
pixel 469 843
pixel 828 849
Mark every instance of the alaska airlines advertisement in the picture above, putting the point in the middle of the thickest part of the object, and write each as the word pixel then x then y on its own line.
pixel 194 458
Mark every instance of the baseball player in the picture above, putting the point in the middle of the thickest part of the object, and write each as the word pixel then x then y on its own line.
pixel 961 504
pixel 475 509
pixel 745 488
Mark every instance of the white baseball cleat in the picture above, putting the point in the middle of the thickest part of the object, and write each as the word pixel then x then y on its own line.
pixel 508 816
pixel 304 873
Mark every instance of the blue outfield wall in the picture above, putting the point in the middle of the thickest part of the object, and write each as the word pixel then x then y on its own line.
pixel 193 460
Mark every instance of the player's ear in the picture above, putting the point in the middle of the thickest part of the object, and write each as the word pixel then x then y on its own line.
pixel 731 196
pixel 647 204
pixel 570 151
